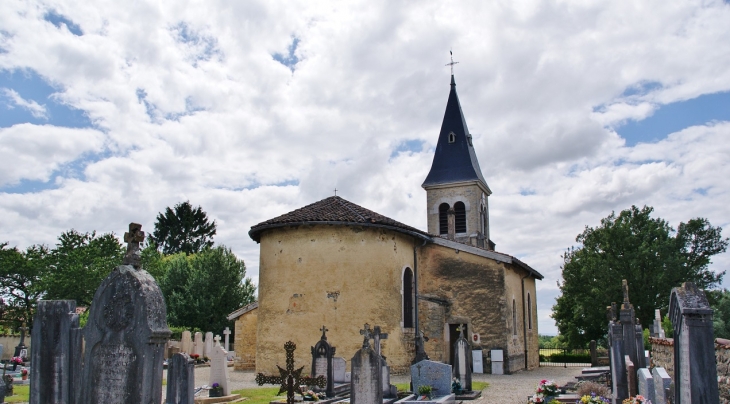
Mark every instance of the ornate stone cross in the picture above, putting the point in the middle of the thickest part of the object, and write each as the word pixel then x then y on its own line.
pixel 367 335
pixel 290 380
pixel 227 332
pixel 133 237
pixel 377 336
pixel 217 340
pixel 625 288
pixel 324 330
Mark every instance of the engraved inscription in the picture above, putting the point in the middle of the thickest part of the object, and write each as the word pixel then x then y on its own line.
pixel 119 310
pixel 114 365
pixel 320 367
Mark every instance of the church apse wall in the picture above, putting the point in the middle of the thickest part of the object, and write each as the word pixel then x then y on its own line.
pixel 521 328
pixel 339 276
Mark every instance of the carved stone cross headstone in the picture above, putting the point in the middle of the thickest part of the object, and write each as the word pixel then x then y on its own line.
pixel 322 354
pixel 462 360
pixel 226 333
pixel 133 238
pixel 377 336
pixel 625 289
pixel 21 345
pixel 219 366
pixel 290 380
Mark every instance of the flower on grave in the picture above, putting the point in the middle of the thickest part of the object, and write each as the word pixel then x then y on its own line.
pixel 547 387
pixel 536 398
pixel 456 386
pixel 593 399
pixel 216 385
pixel 16 359
pixel 24 372
pixel 639 399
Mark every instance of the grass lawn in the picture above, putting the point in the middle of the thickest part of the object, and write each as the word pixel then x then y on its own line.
pixel 261 395
pixel 20 394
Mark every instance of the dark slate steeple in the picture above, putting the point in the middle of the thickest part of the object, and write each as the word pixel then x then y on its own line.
pixel 455 159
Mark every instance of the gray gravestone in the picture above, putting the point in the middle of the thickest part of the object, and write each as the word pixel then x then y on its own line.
pixel 620 386
pixel 186 343
pixel 640 352
pixel 366 384
pixel 628 323
pixel 646 384
pixel 198 344
pixel 322 353
pixel 219 366
pixel 56 357
pixel 462 360
pixel 208 346
pixel 630 375
pixel 662 380
pixel 20 348
pixel 434 374
pixel 125 335
pixel 695 371
pixel 339 369
pixel 180 380
pixel 657 330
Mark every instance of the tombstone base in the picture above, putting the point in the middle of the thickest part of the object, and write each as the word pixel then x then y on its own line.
pixel 213 400
pixel 450 399
pixel 469 395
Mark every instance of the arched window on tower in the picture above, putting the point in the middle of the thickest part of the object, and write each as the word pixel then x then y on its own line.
pixel 514 317
pixel 408 298
pixel 444 218
pixel 529 312
pixel 459 217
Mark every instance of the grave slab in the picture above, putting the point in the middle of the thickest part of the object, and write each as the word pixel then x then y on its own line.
pixel 662 380
pixel 180 380
pixel 646 384
pixel 434 374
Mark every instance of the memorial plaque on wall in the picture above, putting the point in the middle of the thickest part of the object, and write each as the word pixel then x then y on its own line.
pixel 125 340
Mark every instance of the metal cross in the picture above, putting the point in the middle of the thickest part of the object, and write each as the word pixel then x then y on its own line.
pixel 290 380
pixel 335 191
pixel 324 330
pixel 452 62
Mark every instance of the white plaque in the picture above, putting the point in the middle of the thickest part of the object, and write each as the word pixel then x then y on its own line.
pixel 478 364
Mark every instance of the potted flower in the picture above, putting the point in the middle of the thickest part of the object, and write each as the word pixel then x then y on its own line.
pixel 548 389
pixel 215 391
pixel 24 373
pixel 196 358
pixel 536 398
pixel 456 386
pixel 639 399
pixel 593 399
pixel 424 392
pixel 16 360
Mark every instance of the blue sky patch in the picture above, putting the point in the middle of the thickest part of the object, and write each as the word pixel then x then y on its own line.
pixel 291 59
pixel 58 19
pixel 31 87
pixel 412 145
pixel 641 88
pixel 71 169
pixel 204 47
pixel 676 116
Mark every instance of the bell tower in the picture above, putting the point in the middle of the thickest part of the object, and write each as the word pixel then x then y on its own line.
pixel 456 192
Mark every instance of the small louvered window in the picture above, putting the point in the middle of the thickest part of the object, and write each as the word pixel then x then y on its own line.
pixel 452 137
pixel 459 217
pixel 444 218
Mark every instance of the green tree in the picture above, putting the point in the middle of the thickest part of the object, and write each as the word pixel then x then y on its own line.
pixel 20 281
pixel 79 263
pixel 645 251
pixel 201 289
pixel 184 229
pixel 721 317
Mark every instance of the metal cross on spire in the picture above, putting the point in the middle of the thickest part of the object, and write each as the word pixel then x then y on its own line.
pixel 335 191
pixel 452 62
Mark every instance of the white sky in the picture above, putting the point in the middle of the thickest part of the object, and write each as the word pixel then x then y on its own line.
pixel 184 100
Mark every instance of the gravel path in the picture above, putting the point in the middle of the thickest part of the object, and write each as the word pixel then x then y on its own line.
pixel 503 389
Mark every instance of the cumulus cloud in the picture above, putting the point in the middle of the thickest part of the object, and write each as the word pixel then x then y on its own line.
pixel 190 103
pixel 35 109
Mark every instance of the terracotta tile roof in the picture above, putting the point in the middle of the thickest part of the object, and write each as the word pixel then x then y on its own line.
pixel 334 210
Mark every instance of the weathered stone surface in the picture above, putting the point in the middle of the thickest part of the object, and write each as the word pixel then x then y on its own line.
pixel 366 386
pixel 630 375
pixel 620 382
pixel 339 368
pixel 125 340
pixel 434 374
pixel 646 384
pixel 662 380
pixel 56 355
pixel 186 342
pixel 322 353
pixel 198 344
pixel 695 371
pixel 180 380
pixel 208 345
pixel 219 367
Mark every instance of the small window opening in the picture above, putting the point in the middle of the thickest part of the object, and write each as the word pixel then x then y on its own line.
pixel 408 298
pixel 459 217
pixel 444 218
pixel 514 317
pixel 452 137
pixel 529 312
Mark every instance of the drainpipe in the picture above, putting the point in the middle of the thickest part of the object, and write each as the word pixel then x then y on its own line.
pixel 420 351
pixel 524 318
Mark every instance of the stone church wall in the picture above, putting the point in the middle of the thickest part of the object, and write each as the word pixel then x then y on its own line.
pixel 338 276
pixel 245 342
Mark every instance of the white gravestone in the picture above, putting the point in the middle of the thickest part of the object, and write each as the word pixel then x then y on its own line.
pixel 477 361
pixel 208 344
pixel 186 342
pixel 198 345
pixel 219 366
pixel 339 367
pixel 226 333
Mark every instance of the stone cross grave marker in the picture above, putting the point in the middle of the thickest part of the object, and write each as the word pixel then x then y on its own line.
pixel 322 353
pixel 434 374
pixel 125 335
pixel 180 379
pixel 226 333
pixel 657 330
pixel 366 382
pixel 620 383
pixel 56 356
pixel 462 360
pixel 198 344
pixel 208 346
pixel 21 345
pixel 290 380
pixel 695 371
pixel 219 366
pixel 186 342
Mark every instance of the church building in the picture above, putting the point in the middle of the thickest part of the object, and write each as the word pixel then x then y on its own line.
pixel 338 264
